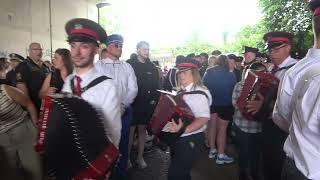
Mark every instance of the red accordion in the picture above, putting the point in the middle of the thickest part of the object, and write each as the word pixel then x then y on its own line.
pixel 255 82
pixel 72 139
pixel 171 107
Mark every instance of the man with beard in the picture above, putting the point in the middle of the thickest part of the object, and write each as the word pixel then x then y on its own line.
pixel 143 106
pixel 84 37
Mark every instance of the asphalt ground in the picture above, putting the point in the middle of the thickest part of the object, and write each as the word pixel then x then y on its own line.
pixel 204 169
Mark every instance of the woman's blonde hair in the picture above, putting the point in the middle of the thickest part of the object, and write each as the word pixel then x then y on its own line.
pixel 197 81
pixel 212 60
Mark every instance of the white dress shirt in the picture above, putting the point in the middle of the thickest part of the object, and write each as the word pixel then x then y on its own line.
pixel 123 75
pixel 303 142
pixel 282 109
pixel 286 63
pixel 199 105
pixel 104 98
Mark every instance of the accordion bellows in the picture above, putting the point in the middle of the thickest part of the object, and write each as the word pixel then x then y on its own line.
pixel 255 82
pixel 72 139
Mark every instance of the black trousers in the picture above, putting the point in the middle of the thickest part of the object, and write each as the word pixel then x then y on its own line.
pixel 273 156
pixel 183 154
pixel 291 172
pixel 248 146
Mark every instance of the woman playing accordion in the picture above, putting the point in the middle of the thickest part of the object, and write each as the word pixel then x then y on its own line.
pixel 186 148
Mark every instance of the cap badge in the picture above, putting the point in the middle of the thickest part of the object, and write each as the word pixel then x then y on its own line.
pixel 78 26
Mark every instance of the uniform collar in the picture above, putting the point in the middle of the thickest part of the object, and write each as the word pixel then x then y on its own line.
pixel 86 76
pixel 287 62
pixel 108 61
pixel 187 88
pixel 313 52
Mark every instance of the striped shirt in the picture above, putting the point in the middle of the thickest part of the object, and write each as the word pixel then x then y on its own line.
pixel 11 113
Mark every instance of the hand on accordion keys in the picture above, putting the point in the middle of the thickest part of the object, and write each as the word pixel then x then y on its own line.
pixel 255 103
pixel 172 126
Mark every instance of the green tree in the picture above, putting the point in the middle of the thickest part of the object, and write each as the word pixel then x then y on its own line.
pixel 193 45
pixel 291 16
pixel 249 35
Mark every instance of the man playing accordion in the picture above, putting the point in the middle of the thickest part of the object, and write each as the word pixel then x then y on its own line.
pixel 246 126
pixel 278 45
pixel 88 127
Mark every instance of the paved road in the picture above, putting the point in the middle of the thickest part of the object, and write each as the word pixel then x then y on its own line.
pixel 204 169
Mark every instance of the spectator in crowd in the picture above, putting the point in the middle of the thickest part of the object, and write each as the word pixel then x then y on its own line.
pixel 220 81
pixel 18 132
pixel 31 73
pixel 133 56
pixel 170 81
pixel 143 106
pixel 203 63
pixel 211 61
pixel 216 53
pixel 4 69
pixel 156 63
pixel 15 60
pixel 62 68
pixel 104 53
pixel 191 55
pixel 233 59
pixel 198 58
pixel 49 65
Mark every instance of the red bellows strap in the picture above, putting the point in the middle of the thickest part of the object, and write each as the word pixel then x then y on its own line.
pixel 78 86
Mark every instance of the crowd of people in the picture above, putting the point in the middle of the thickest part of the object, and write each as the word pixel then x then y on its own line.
pixel 276 137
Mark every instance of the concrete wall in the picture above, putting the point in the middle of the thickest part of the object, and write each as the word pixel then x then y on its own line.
pixel 26 21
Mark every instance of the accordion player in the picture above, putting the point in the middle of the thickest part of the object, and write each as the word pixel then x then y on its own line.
pixel 171 107
pixel 257 81
pixel 72 139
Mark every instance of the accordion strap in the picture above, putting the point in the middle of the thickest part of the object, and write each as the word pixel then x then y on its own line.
pixel 177 109
pixel 284 68
pixel 90 85
pixel 193 92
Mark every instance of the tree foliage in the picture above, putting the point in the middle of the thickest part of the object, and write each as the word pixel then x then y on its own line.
pixel 250 35
pixel 193 45
pixel 278 15
pixel 286 15
pixel 291 16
